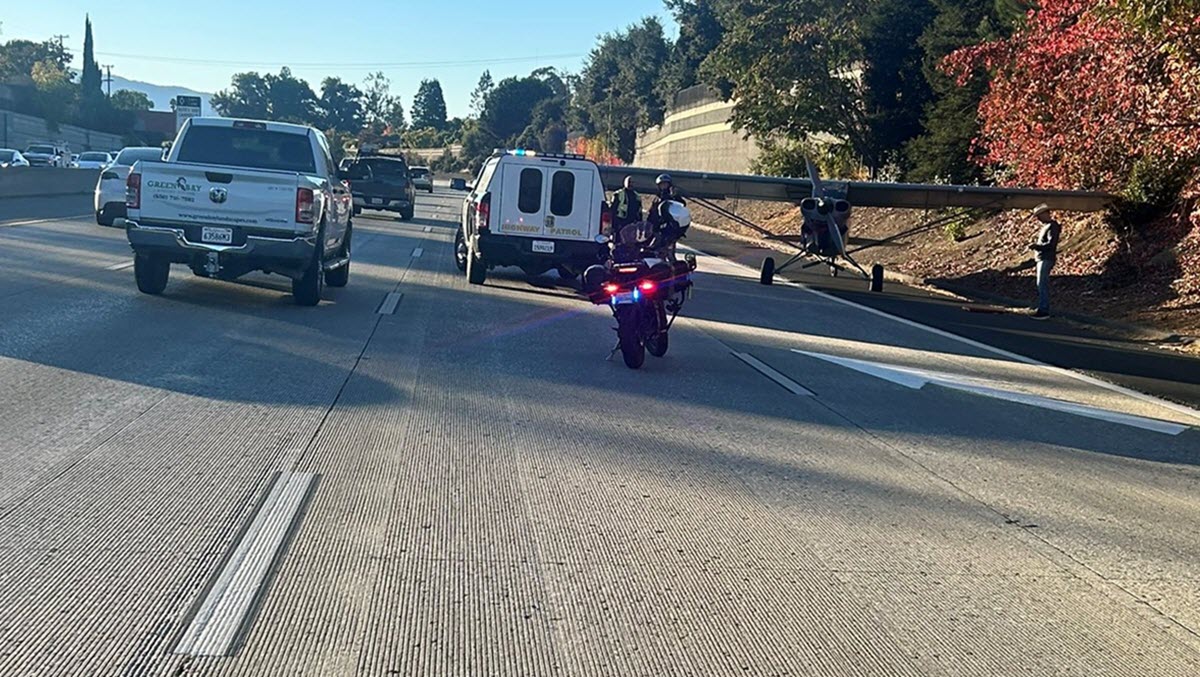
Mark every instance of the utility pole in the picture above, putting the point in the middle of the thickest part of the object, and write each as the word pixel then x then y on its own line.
pixel 60 39
pixel 108 80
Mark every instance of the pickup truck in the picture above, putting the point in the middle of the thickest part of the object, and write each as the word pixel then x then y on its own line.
pixel 382 183
pixel 236 196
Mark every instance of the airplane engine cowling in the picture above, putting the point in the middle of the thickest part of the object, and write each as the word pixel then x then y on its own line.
pixel 841 214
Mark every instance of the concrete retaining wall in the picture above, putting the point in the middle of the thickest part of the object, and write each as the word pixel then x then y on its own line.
pixel 46 182
pixel 18 130
pixel 696 135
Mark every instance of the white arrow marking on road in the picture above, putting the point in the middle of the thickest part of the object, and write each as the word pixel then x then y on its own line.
pixel 918 378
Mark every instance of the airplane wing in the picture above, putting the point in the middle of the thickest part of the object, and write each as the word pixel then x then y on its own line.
pixel 716 186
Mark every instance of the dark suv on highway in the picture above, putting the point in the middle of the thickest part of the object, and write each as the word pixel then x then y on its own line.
pixel 383 183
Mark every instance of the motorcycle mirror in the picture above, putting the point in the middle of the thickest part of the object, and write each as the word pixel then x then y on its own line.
pixel 602 239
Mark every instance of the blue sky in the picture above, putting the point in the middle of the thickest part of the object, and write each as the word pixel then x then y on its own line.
pixel 200 45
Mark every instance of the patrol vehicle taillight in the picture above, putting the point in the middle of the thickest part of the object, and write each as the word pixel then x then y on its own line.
pixel 133 191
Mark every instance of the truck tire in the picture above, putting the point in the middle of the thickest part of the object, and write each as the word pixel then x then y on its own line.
pixel 460 251
pixel 307 289
pixel 340 277
pixel 407 214
pixel 476 268
pixel 151 273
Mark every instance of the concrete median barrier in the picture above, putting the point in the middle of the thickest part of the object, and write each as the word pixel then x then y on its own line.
pixel 46 182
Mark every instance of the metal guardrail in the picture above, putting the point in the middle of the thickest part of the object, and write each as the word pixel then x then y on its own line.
pixel 716 186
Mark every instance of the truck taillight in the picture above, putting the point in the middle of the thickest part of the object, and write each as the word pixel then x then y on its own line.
pixel 133 191
pixel 304 205
pixel 605 220
pixel 483 214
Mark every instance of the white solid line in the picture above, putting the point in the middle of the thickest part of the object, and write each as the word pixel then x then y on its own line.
pixel 1091 380
pixel 34 222
pixel 765 370
pixel 120 266
pixel 220 618
pixel 417 253
pixel 389 304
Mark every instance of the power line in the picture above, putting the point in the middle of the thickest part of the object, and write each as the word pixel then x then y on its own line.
pixel 338 64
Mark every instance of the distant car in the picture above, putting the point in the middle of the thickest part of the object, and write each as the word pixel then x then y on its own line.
pixel 110 187
pixel 93 160
pixel 458 184
pixel 422 178
pixel 74 163
pixel 47 155
pixel 12 158
pixel 382 183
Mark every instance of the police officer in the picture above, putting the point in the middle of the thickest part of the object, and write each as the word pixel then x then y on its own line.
pixel 627 206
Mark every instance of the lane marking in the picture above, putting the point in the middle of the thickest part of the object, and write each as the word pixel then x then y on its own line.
pixel 417 253
pixel 120 266
pixel 916 379
pixel 388 307
pixel 1062 371
pixel 34 222
pixel 223 619
pixel 765 370
pixel 427 229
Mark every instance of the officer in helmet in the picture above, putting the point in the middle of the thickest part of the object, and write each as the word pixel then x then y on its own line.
pixel 658 214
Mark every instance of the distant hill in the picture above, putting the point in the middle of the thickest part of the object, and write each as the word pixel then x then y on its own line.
pixel 161 95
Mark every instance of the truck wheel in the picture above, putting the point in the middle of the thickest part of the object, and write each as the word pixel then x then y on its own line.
pixel 151 273
pixel 103 220
pixel 629 336
pixel 567 273
pixel 307 289
pixel 460 251
pixel 407 214
pixel 476 269
pixel 767 275
pixel 340 277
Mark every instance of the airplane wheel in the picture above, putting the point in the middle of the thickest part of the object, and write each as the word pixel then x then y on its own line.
pixel 833 271
pixel 768 271
pixel 877 277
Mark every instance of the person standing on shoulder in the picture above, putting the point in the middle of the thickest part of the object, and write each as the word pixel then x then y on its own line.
pixel 1045 250
pixel 627 206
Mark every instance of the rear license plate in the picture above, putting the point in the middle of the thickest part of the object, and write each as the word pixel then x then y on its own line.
pixel 216 235
pixel 543 247
pixel 623 299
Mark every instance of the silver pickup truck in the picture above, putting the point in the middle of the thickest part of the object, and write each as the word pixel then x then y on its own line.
pixel 236 196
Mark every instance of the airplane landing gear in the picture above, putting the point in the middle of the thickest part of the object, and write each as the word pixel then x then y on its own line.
pixel 877 278
pixel 767 274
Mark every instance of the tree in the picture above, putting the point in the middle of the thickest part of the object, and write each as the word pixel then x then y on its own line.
pixel 127 99
pixel 1081 97
pixel 942 152
pixel 700 32
pixel 479 96
pixel 510 105
pixel 54 95
pixel 618 92
pixel 290 98
pixel 383 111
pixel 249 96
pixel 895 90
pixel 429 106
pixel 340 106
pixel 89 77
pixel 18 57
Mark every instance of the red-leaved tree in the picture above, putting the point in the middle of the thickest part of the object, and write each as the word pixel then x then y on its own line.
pixel 1081 95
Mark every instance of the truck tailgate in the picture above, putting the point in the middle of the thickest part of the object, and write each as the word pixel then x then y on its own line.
pixel 222 196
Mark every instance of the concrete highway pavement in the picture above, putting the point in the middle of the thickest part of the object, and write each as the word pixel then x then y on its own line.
pixel 218 482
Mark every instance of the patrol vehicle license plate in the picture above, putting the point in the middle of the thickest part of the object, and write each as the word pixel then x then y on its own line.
pixel 543 247
pixel 216 235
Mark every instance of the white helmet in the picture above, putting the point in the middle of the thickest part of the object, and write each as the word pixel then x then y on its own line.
pixel 680 214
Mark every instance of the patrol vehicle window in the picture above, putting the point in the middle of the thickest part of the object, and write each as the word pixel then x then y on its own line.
pixel 529 199
pixel 562 193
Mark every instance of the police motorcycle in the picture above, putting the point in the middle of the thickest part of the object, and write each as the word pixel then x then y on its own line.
pixel 643 283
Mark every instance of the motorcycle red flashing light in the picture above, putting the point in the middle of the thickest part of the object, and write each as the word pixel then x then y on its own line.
pixel 647 285
pixel 611 288
pixel 628 270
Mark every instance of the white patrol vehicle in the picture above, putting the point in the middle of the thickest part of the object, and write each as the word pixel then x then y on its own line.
pixel 536 211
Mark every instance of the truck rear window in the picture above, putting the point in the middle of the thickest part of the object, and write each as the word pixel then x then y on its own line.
pixel 250 148
pixel 529 194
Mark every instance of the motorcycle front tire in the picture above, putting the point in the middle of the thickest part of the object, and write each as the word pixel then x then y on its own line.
pixel 633 351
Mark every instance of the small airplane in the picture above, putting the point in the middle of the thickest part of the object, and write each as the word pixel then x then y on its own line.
pixel 824 232
pixel 826 206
